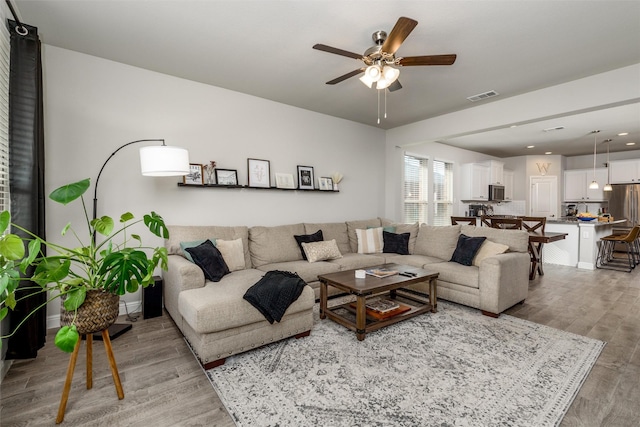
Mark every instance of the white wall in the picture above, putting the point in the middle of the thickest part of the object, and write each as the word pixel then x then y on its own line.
pixel 92 106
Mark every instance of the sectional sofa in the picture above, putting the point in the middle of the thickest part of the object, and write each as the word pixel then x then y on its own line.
pixel 217 322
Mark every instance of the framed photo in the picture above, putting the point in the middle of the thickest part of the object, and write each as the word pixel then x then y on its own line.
pixel 259 173
pixel 284 180
pixel 226 177
pixel 326 183
pixel 195 176
pixel 305 178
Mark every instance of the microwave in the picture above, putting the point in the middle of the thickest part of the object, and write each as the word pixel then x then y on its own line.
pixel 496 193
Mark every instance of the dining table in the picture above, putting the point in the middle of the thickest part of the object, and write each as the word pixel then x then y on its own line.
pixel 536 241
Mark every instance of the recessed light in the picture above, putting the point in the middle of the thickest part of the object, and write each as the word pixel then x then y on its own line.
pixel 630 143
pixel 513 126
pixel 530 146
pixel 548 152
pixel 623 134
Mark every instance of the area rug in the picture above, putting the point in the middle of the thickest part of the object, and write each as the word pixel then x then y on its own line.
pixel 453 368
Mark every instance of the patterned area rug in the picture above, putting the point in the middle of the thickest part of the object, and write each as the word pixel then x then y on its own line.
pixel 453 368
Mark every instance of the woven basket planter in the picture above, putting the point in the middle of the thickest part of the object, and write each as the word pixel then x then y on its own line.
pixel 98 311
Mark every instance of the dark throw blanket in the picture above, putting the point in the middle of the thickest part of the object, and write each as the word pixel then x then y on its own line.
pixel 274 293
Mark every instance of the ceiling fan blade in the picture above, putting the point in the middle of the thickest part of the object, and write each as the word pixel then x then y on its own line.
pixel 395 86
pixel 400 31
pixel 337 51
pixel 428 60
pixel 346 76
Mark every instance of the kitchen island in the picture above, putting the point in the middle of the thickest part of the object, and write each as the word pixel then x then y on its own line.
pixel 580 247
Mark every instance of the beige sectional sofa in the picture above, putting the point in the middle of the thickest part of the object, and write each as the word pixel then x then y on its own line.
pixel 218 322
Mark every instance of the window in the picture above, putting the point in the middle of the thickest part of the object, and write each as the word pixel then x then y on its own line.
pixel 4 117
pixel 416 189
pixel 442 192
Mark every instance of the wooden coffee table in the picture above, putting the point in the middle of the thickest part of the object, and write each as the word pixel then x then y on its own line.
pixel 389 287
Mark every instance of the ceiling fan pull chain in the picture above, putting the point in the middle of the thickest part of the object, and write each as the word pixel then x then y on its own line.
pixel 385 103
pixel 378 106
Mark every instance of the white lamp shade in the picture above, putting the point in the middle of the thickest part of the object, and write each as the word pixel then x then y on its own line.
pixel 373 72
pixel 594 185
pixel 607 187
pixel 366 80
pixel 164 160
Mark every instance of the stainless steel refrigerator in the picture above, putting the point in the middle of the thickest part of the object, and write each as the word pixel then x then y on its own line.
pixel 624 202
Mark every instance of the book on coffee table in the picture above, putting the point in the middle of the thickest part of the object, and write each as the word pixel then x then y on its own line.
pixel 381 272
pixel 382 305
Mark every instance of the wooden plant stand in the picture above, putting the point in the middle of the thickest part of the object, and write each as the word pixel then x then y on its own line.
pixel 72 365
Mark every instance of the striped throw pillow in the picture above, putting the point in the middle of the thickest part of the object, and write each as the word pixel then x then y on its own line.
pixel 370 240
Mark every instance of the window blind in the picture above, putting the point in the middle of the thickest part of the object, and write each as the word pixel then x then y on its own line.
pixel 443 192
pixel 4 116
pixel 416 189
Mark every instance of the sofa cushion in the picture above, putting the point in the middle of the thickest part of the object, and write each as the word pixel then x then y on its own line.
pixel 220 306
pixel 437 241
pixel 466 249
pixel 308 271
pixel 308 238
pixel 352 226
pixel 459 274
pixel 185 233
pixel 209 259
pixel 332 230
pixel 420 261
pixel 321 251
pixel 232 252
pixel 370 240
pixel 351 261
pixel 274 244
pixel 412 229
pixel 517 240
pixel 395 243
pixel 489 249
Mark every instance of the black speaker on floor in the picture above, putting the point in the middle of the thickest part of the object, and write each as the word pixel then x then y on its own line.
pixel 152 299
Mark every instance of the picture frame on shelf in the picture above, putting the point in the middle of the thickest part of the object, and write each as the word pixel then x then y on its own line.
pixel 226 176
pixel 195 176
pixel 325 183
pixel 259 173
pixel 305 178
pixel 285 180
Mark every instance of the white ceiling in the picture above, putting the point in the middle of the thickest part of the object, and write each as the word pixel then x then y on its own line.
pixel 263 48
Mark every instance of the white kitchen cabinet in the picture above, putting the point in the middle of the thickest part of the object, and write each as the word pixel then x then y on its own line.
pixel 576 185
pixel 496 172
pixel 508 184
pixel 475 181
pixel 625 171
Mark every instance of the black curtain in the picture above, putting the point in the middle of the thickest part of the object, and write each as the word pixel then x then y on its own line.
pixel 26 173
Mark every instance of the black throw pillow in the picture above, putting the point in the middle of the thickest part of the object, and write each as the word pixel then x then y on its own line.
pixel 395 243
pixel 308 238
pixel 209 259
pixel 466 249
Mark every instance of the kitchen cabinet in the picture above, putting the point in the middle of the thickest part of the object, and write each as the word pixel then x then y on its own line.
pixel 496 172
pixel 576 185
pixel 508 184
pixel 475 181
pixel 625 171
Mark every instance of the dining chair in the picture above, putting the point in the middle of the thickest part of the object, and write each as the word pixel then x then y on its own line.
pixel 485 220
pixel 506 223
pixel 533 223
pixel 464 220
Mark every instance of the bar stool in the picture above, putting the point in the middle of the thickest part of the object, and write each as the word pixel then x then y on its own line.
pixel 606 259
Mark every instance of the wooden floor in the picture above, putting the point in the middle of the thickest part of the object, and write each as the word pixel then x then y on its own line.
pixel 165 386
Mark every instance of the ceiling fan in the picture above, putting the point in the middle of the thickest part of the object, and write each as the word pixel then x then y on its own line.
pixel 380 59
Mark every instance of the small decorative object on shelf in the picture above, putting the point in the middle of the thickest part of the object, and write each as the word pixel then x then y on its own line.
pixel 325 184
pixel 259 173
pixel 209 170
pixel 305 178
pixel 284 180
pixel 336 177
pixel 195 175
pixel 226 177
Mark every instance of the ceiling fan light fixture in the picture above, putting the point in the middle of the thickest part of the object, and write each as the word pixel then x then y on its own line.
pixel 374 72
pixel 389 75
pixel 366 80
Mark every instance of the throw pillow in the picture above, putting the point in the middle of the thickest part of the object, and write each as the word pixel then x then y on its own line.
pixel 308 238
pixel 209 259
pixel 370 240
pixel 395 243
pixel 320 251
pixel 466 249
pixel 232 252
pixel 192 244
pixel 387 228
pixel 489 249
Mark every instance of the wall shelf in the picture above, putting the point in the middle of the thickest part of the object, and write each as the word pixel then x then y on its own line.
pixel 180 184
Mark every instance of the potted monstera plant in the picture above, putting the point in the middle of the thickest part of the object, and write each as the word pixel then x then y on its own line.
pixel 107 262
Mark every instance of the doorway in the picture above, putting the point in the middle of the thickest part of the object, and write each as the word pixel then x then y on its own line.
pixel 543 199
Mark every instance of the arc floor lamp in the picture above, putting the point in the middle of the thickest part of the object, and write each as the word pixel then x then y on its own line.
pixel 155 160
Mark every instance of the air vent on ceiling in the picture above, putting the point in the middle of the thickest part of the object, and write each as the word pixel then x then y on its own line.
pixel 484 95
pixel 553 129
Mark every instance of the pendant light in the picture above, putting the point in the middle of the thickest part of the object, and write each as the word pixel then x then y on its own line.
pixel 594 184
pixel 607 186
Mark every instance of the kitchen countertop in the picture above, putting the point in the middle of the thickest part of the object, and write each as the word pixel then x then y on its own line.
pixel 594 223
